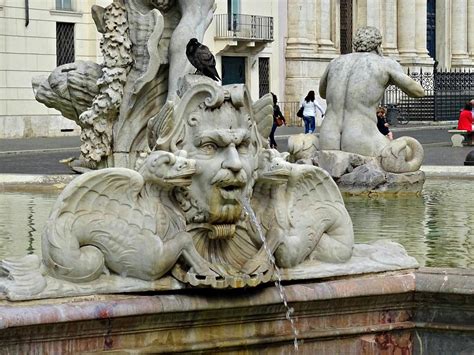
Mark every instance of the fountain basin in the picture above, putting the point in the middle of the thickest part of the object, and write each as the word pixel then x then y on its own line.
pixel 426 310
pixel 416 311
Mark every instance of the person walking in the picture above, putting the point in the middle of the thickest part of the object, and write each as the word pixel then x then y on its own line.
pixel 310 106
pixel 278 120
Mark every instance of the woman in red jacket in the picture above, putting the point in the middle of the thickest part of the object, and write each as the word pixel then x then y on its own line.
pixel 465 118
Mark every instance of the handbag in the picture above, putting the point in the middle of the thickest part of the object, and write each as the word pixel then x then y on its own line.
pixel 300 112
pixel 279 121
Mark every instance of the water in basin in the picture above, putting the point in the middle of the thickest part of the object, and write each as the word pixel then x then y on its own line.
pixel 436 227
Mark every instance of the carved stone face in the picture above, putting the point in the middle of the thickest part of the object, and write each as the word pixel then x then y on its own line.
pixel 220 142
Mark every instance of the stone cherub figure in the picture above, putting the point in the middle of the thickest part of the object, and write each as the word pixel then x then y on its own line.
pixel 353 86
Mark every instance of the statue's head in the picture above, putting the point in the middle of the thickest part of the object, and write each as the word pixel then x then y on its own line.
pixel 367 39
pixel 215 125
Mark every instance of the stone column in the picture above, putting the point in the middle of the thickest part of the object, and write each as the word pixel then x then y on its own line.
pixel 443 33
pixel 406 31
pixel 420 24
pixel 470 29
pixel 301 27
pixel 390 43
pixel 459 34
pixel 305 62
pixel 368 13
pixel 325 21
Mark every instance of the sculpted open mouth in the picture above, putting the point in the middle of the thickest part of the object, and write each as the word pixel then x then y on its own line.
pixel 182 179
pixel 277 175
pixel 231 190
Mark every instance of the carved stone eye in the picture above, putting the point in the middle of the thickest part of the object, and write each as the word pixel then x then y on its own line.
pixel 208 148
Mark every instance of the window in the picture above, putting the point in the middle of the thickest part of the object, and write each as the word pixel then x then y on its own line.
pixel 64 43
pixel 263 76
pixel 233 11
pixel 64 5
pixel 233 70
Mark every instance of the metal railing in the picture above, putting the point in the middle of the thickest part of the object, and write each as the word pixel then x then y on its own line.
pixel 446 91
pixel 244 27
pixel 289 109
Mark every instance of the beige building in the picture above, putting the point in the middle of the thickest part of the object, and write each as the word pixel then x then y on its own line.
pixel 247 42
pixel 281 46
pixel 415 32
pixel 33 42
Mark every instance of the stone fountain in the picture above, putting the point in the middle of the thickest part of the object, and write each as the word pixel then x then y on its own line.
pixel 350 147
pixel 183 215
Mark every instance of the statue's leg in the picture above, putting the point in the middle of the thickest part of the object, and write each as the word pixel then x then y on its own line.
pixel 361 136
pixel 335 244
pixel 330 135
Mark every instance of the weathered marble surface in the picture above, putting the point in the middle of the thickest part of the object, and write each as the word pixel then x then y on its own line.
pixel 376 257
pixel 143 44
pixel 200 206
pixel 353 86
pixel 354 173
pixel 423 311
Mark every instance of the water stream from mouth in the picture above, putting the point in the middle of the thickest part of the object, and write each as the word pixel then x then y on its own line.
pixel 289 310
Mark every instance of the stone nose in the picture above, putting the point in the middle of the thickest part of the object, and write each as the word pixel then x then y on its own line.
pixel 232 159
pixel 183 164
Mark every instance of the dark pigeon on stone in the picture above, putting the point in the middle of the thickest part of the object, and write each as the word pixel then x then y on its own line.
pixel 202 59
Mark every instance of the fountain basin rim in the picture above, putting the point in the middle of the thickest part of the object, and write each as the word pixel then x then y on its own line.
pixel 424 280
pixel 29 181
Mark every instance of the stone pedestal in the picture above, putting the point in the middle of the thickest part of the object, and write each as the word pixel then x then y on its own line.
pixel 426 311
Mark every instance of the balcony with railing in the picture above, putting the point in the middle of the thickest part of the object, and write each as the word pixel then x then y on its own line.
pixel 240 27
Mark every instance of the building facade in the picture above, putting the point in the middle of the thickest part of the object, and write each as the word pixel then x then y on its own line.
pixel 417 33
pixel 34 39
pixel 281 46
pixel 38 35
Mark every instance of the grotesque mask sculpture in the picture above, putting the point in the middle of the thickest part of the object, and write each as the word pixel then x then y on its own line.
pixel 210 205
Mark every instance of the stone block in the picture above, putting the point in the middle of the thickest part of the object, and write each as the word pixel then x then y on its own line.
pixel 457 140
pixel 337 163
pixel 46 63
pixel 363 178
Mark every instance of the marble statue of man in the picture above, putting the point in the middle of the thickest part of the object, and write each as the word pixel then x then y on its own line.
pixel 353 86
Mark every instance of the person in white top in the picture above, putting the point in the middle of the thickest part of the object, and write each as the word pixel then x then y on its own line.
pixel 310 106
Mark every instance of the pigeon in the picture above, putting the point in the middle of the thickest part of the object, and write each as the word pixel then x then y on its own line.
pixel 202 59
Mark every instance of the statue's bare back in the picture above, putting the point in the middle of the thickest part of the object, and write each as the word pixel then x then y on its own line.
pixel 353 86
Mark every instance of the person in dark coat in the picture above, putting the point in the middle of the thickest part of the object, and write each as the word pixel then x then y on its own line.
pixel 382 123
pixel 277 115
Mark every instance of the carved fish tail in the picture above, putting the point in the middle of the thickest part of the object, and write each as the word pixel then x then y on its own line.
pixel 402 155
pixel 66 259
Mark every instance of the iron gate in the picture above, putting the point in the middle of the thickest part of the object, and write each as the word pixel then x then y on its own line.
pixel 446 92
